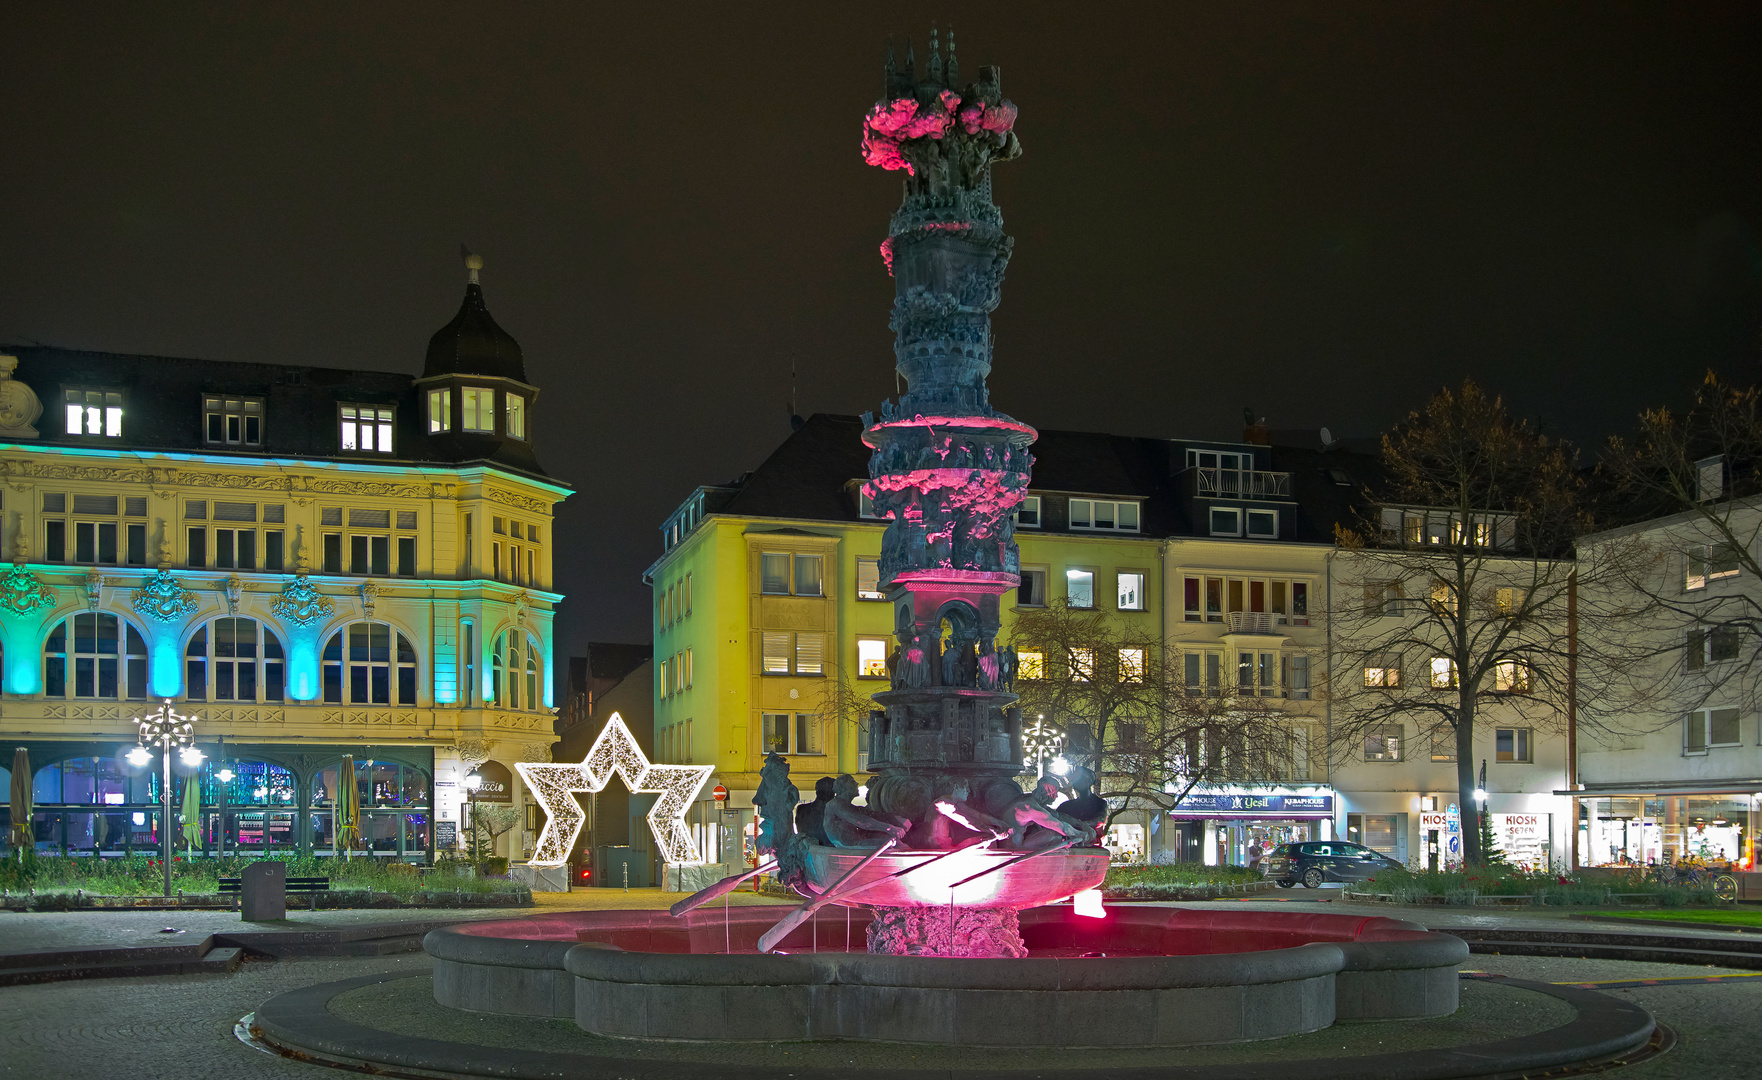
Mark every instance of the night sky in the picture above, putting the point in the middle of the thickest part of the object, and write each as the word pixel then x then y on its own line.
pixel 1318 212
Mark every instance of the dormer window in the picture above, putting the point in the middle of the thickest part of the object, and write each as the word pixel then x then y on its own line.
pixel 516 410
pixel 94 412
pixel 480 408
pixel 366 427
pixel 440 410
pixel 233 421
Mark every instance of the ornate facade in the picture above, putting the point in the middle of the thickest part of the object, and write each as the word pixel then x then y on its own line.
pixel 322 566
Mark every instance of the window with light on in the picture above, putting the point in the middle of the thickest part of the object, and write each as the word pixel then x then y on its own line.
pixel 366 427
pixel 94 412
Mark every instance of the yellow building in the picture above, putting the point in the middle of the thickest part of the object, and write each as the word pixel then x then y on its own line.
pixel 327 569
pixel 771 630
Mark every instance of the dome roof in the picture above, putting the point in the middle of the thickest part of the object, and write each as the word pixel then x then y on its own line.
pixel 472 344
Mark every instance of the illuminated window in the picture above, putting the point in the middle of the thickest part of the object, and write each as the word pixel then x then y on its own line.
pixel 871 658
pixel 1082 659
pixel 1508 602
pixel 233 421
pixel 869 580
pixel 1030 664
pixel 366 428
pixel 1383 746
pixel 1080 588
pixel 479 407
pixel 1131 665
pixel 516 419
pixel 1443 597
pixel 1511 677
pixel 95 656
pixel 233 660
pixel 1443 673
pixel 1131 591
pixel 94 412
pixel 365 661
pixel 440 410
pixel 1382 672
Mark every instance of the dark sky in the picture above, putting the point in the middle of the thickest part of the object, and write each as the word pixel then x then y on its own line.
pixel 1321 211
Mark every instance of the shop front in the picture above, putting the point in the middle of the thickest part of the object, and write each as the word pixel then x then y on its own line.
pixel 1651 828
pixel 1236 826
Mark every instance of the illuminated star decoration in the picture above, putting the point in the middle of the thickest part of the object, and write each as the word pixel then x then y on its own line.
pixel 615 752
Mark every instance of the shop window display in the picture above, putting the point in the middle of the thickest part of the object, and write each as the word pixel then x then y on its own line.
pixel 1649 830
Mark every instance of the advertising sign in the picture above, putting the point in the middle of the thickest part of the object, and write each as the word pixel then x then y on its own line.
pixel 446 835
pixel 498 783
pixel 1448 825
pixel 1208 804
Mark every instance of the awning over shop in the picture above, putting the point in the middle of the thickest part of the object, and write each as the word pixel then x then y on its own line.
pixel 1750 786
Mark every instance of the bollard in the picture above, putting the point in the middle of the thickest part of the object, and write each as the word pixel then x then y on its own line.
pixel 626 877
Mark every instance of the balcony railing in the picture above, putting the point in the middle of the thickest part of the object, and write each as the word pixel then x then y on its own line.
pixel 1244 484
pixel 1253 622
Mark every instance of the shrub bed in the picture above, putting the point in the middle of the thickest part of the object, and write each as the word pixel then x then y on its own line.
pixel 1470 886
pixel 1177 881
pixel 377 880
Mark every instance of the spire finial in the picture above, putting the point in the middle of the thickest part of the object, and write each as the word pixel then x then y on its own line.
pixel 935 66
pixel 954 67
pixel 473 263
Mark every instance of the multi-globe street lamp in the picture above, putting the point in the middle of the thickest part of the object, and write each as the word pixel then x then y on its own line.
pixel 473 781
pixel 168 731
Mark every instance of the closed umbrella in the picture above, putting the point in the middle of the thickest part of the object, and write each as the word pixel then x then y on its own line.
pixel 348 805
pixel 191 815
pixel 20 835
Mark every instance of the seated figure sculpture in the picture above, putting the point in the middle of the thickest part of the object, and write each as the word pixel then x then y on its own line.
pixel 810 818
pixel 1035 826
pixel 1086 809
pixel 850 826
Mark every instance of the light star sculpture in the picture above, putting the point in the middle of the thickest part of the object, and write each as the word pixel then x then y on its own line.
pixel 615 753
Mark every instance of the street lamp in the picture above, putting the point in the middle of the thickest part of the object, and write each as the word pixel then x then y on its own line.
pixel 1042 740
pixel 165 729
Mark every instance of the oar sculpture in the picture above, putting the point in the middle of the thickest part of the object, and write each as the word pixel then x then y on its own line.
pixel 1010 863
pixel 836 894
pixel 789 922
pixel 721 888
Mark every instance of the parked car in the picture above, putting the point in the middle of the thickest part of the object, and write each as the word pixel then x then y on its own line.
pixel 1322 860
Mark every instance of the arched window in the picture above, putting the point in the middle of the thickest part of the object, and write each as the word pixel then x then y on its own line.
pixel 514 671
pixel 95 655
pixel 234 660
pixel 361 666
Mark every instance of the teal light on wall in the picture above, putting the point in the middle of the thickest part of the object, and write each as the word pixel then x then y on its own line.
pixel 303 682
pixel 165 674
pixel 446 680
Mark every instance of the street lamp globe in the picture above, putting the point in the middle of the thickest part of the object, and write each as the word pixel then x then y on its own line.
pixel 190 756
pixel 473 780
pixel 138 756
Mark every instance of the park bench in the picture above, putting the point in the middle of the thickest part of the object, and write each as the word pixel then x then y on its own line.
pixel 311 886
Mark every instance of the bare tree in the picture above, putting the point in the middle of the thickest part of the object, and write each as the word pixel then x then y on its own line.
pixel 1148 738
pixel 1456 586
pixel 1688 489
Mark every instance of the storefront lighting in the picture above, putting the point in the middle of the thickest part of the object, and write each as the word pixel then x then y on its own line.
pixel 190 756
pixel 139 757
pixel 139 818
pixel 224 776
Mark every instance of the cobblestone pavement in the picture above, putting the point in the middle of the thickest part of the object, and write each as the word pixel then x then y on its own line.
pixel 21 930
pixel 180 1027
pixel 176 1027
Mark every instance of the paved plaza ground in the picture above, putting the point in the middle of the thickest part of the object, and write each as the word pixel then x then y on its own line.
pixel 182 1026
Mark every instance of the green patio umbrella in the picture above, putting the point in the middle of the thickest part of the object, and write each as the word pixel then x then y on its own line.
pixel 348 806
pixel 20 836
pixel 191 815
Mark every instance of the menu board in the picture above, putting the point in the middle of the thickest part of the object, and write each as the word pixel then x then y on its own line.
pixel 446 835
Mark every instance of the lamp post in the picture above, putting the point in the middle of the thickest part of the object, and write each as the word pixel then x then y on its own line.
pixel 473 781
pixel 165 729
pixel 1043 740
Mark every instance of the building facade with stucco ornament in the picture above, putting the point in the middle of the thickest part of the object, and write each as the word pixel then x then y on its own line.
pixel 333 571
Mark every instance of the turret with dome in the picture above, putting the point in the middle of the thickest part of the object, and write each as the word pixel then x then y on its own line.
pixel 477 402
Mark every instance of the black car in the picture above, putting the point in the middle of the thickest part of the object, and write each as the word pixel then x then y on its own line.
pixel 1322 860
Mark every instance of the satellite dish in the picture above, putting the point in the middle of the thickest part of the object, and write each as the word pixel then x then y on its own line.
pixel 1327 438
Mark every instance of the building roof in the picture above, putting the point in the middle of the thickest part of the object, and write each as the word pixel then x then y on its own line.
pixel 163 408
pixel 472 344
pixel 810 477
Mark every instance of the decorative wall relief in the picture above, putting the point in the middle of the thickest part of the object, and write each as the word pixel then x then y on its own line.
pixel 369 597
pixel 21 593
pixel 234 588
pixel 94 589
pixel 164 599
pixel 301 604
pixel 19 407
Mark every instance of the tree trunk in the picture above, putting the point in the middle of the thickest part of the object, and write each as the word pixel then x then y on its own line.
pixel 1465 783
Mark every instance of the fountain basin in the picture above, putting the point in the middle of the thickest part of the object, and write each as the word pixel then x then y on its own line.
pixel 1029 883
pixel 1192 976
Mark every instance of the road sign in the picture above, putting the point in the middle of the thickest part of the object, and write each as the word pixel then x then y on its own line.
pixel 719 793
